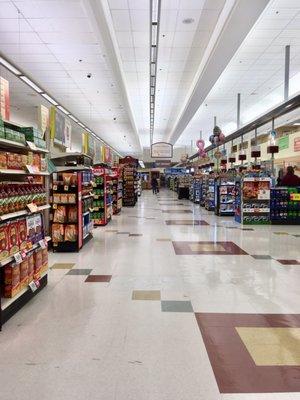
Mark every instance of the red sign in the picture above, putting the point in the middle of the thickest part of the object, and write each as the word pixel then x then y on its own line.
pixel 4 99
pixel 297 144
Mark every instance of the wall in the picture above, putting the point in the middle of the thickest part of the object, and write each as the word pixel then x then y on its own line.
pixel 177 153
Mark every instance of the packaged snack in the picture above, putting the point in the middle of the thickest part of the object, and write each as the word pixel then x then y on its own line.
pixel 11 280
pixel 72 198
pixel 60 214
pixel 67 178
pixel 71 233
pixel 22 233
pixel 72 214
pixel 44 260
pixel 37 161
pixel 24 273
pixel 74 179
pixel 30 158
pixel 63 198
pixel 30 257
pixel 30 222
pixel 4 247
pixel 13 238
pixel 57 233
pixel 38 261
pixel 11 161
pixel 3 161
pixel 38 226
pixel 56 198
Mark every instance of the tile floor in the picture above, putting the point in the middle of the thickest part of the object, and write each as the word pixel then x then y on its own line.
pixel 184 312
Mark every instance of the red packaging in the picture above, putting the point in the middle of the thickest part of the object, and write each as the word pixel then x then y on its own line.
pixel 44 260
pixel 30 266
pixel 24 273
pixel 37 161
pixel 4 248
pixel 13 237
pixel 38 261
pixel 22 228
pixel 11 280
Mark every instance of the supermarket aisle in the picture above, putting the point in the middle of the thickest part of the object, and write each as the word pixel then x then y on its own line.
pixel 122 319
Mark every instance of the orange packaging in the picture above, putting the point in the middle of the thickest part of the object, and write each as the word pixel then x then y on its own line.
pixel 13 238
pixel 3 160
pixel 44 260
pixel 4 247
pixel 38 261
pixel 30 257
pixel 37 161
pixel 11 280
pixel 22 228
pixel 11 161
pixel 24 273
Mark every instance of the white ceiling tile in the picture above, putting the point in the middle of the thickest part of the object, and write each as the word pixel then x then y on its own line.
pixel 140 20
pixel 142 53
pixel 141 39
pixel 68 37
pixel 20 39
pixel 168 20
pixel 14 25
pixel 50 9
pixel 66 24
pixel 192 4
pixel 24 49
pixel 118 4
pixel 124 38
pixel 183 39
pixel 139 5
pixel 121 20
pixel 8 10
pixel 127 54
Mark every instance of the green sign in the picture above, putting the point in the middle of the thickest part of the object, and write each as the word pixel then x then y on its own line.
pixel 283 142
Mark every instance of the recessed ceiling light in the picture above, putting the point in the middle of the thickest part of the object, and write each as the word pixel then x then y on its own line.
pixel 188 20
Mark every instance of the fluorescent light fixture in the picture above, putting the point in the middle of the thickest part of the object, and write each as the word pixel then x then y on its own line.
pixel 7 65
pixel 154 34
pixel 153 53
pixel 80 124
pixel 152 68
pixel 297 123
pixel 142 163
pixel 152 90
pixel 154 14
pixel 47 97
pixel 73 118
pixel 31 84
pixel 63 110
pixel 152 80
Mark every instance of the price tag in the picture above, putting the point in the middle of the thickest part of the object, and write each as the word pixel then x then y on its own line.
pixel 33 286
pixel 295 196
pixel 96 196
pixel 32 207
pixel 31 169
pixel 91 209
pixel 29 245
pixel 43 244
pixel 23 254
pixel 31 145
pixel 54 187
pixel 37 283
pixel 66 188
pixel 54 206
pixel 18 258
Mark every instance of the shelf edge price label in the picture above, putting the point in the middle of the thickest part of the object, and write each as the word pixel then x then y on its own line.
pixel 18 258
pixel 31 169
pixel 31 145
pixel 54 205
pixel 33 286
pixel 54 187
pixel 295 196
pixel 32 207
pixel 66 188
pixel 43 244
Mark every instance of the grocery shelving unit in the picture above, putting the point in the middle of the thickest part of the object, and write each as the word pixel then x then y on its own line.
pixel 117 186
pixel 102 207
pixel 285 206
pixel 224 196
pixel 129 186
pixel 196 189
pixel 23 203
pixel 252 200
pixel 210 194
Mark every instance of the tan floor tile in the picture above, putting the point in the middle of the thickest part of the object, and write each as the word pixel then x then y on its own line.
pixel 62 266
pixel 146 295
pixel 206 247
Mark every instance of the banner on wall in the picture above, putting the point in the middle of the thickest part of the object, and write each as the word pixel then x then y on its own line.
pixel 57 127
pixel 4 99
pixel 161 150
pixel 98 154
pixel 67 133
pixel 88 144
pixel 283 142
pixel 43 118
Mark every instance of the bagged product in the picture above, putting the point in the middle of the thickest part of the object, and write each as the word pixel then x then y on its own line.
pixel 30 221
pixel 44 260
pixel 38 227
pixel 3 160
pixel 22 233
pixel 72 214
pixel 57 233
pixel 38 261
pixel 67 178
pixel 4 247
pixel 11 280
pixel 30 257
pixel 71 233
pixel 60 214
pixel 24 273
pixel 13 237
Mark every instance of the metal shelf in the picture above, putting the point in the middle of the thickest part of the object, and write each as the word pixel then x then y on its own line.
pixel 5 217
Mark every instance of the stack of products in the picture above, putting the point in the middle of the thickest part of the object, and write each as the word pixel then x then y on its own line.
pixel 102 196
pixel 71 223
pixel 35 136
pixel 285 205
pixel 196 189
pixel 129 186
pixel 14 196
pixel 184 182
pixel 16 161
pixel 224 196
pixel 203 191
pixel 117 186
pixel 210 193
pixel 253 206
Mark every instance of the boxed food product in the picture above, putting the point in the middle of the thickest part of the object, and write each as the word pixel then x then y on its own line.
pixel 43 164
pixel 38 226
pixel 30 133
pixel 38 261
pixel 44 260
pixel 60 214
pixel 3 160
pixel 24 273
pixel 30 158
pixel 72 214
pixel 71 233
pixel 30 222
pixel 37 161
pixel 4 247
pixel 11 280
pixel 57 233
pixel 30 257
pixel 22 228
pixel 13 237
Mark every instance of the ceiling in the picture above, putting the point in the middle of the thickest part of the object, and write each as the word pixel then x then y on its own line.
pixel 227 48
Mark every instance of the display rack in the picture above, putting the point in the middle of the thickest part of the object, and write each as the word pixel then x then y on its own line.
pixel 117 185
pixel 196 190
pixel 203 191
pixel 129 186
pixel 23 203
pixel 210 194
pixel 224 196
pixel 71 203
pixel 252 202
pixel 102 208
pixel 285 206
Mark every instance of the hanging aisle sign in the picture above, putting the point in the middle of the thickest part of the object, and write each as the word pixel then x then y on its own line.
pixel 43 118
pixel 161 150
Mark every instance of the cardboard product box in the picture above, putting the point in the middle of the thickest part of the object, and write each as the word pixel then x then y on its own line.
pixel 22 228
pixel 13 237
pixel 4 246
pixel 30 257
pixel 38 227
pixel 44 260
pixel 11 280
pixel 2 132
pixel 30 222
pixel 3 160
pixel 37 161
pixel 30 133
pixel 14 136
pixel 24 273
pixel 38 261
pixel 43 164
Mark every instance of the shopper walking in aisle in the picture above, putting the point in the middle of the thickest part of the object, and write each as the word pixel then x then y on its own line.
pixel 154 185
pixel 290 179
